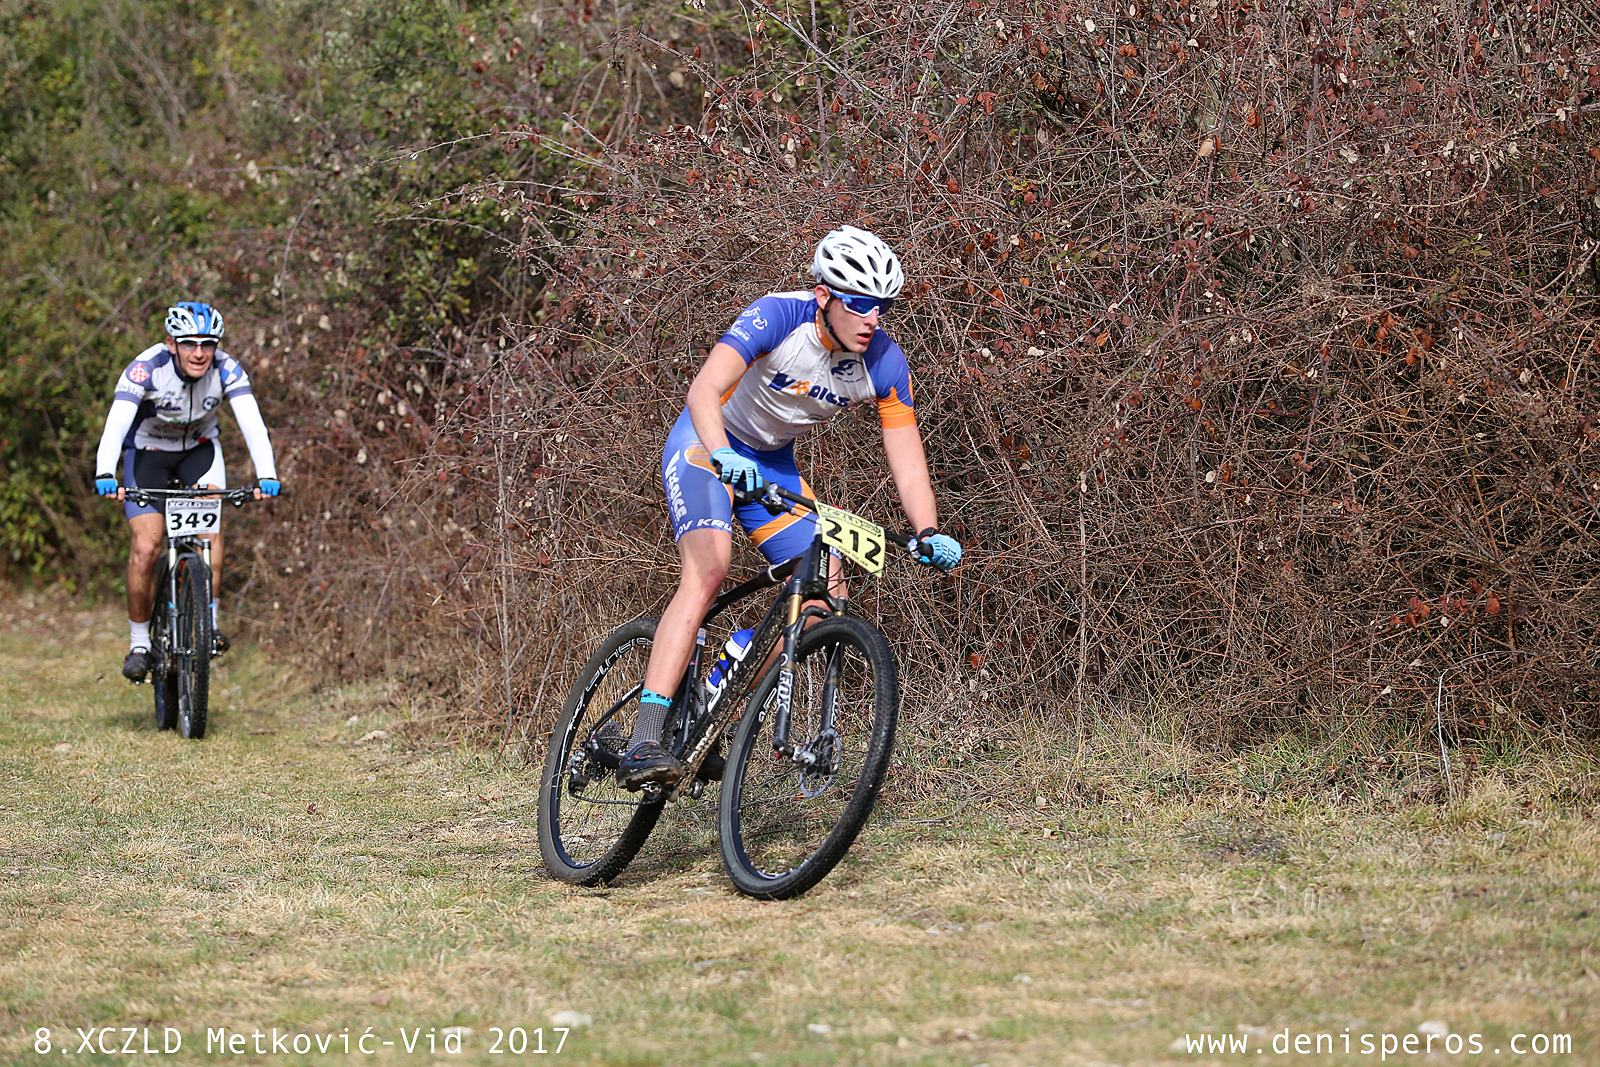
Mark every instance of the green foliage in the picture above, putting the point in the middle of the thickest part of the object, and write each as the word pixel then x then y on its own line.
pixel 260 156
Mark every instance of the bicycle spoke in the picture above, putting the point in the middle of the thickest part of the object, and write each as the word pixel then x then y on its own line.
pixel 589 826
pixel 786 823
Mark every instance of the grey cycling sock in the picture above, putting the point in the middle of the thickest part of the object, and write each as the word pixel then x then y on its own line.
pixel 653 708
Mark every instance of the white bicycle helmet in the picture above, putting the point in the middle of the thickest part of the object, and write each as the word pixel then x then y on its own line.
pixel 189 319
pixel 858 261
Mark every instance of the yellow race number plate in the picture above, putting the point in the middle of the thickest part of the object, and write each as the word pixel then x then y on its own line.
pixel 862 542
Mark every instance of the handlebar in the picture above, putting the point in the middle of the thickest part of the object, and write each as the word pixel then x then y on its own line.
pixel 144 497
pixel 774 495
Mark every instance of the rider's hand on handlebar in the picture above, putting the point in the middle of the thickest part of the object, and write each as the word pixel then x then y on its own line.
pixel 105 484
pixel 938 550
pixel 268 487
pixel 738 471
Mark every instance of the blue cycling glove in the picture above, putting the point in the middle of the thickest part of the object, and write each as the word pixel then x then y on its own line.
pixel 269 486
pixel 738 471
pixel 938 550
pixel 105 484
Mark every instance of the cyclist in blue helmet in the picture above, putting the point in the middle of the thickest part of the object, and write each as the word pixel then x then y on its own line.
pixel 790 361
pixel 163 424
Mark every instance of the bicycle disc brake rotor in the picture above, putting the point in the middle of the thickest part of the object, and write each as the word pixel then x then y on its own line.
pixel 816 778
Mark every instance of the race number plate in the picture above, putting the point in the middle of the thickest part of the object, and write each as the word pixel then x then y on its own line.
pixel 189 517
pixel 862 542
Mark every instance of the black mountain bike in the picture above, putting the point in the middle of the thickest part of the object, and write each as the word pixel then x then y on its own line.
pixel 800 748
pixel 182 643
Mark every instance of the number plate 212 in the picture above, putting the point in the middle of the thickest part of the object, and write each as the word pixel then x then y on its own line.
pixel 189 517
pixel 862 542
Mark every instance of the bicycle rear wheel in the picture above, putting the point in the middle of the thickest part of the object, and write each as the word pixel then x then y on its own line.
pixel 782 828
pixel 192 657
pixel 163 679
pixel 589 826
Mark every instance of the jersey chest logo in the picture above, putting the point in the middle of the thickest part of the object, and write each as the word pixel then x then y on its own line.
pixel 782 383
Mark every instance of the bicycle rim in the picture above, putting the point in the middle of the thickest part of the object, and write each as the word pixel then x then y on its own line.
pixel 192 661
pixel 589 826
pixel 781 829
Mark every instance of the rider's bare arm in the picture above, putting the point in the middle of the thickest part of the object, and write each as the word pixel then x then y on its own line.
pixel 721 372
pixel 908 463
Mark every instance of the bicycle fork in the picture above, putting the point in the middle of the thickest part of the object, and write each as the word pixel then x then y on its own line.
pixel 816 756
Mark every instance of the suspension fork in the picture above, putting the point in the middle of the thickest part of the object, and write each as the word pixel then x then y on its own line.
pixel 172 599
pixel 813 567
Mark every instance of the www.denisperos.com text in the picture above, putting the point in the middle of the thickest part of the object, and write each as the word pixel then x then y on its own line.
pixel 1380 1046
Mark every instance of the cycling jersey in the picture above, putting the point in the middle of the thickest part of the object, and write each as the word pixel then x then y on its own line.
pixel 798 378
pixel 154 408
pixel 795 378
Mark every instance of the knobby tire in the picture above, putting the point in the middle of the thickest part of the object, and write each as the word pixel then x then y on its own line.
pixel 780 830
pixel 193 663
pixel 163 679
pixel 590 828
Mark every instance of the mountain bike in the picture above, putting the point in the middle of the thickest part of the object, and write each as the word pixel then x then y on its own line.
pixel 182 642
pixel 800 745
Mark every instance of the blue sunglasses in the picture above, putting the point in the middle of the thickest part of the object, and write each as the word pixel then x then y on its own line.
pixel 864 305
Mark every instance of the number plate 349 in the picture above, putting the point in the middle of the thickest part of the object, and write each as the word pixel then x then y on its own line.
pixel 190 517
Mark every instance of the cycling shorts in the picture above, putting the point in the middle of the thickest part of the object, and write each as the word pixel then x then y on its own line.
pixel 698 500
pixel 151 468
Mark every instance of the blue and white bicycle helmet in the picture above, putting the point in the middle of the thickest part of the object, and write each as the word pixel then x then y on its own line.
pixel 858 261
pixel 190 319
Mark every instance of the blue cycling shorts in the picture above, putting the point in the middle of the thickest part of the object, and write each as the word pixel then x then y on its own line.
pixel 698 500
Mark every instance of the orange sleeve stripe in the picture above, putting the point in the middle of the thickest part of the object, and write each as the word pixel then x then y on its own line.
pixel 895 413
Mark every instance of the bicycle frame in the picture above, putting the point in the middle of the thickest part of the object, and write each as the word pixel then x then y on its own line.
pixel 804 578
pixel 180 545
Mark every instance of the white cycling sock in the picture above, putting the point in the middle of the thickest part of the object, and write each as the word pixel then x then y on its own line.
pixel 216 613
pixel 138 635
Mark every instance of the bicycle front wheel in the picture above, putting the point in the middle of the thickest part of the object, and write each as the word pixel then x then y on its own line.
pixel 192 658
pixel 589 826
pixel 782 826
pixel 163 680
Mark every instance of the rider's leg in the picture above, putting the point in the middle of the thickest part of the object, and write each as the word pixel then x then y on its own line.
pixel 143 549
pixel 705 555
pixel 144 546
pixel 215 476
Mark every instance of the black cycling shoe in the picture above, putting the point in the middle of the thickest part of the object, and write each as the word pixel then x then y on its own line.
pixel 136 665
pixel 219 643
pixel 648 763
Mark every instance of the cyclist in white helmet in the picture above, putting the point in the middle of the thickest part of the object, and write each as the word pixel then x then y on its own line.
pixel 163 424
pixel 789 361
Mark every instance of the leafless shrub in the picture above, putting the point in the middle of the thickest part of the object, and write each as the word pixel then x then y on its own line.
pixel 1253 346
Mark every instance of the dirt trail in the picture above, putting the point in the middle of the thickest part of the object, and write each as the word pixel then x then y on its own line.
pixel 311 874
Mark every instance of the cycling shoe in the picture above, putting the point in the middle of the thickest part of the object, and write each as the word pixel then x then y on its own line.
pixel 219 643
pixel 136 665
pixel 648 763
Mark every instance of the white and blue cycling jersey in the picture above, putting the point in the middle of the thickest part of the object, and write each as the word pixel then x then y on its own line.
pixel 798 378
pixel 153 408
pixel 795 378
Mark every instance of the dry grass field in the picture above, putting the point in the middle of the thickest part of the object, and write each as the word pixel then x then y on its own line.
pixel 317 870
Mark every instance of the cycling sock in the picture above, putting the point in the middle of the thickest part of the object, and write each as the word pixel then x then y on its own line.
pixel 138 634
pixel 653 708
pixel 216 613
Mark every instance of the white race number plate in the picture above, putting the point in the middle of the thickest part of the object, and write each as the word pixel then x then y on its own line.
pixel 188 517
pixel 861 541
